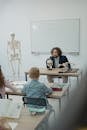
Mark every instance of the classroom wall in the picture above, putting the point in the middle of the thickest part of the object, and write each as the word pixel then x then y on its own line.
pixel 16 15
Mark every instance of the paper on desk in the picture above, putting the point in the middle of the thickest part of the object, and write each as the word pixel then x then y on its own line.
pixel 19 82
pixel 13 125
pixel 57 85
pixel 10 109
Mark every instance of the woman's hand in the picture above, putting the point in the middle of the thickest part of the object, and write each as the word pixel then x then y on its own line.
pixel 65 64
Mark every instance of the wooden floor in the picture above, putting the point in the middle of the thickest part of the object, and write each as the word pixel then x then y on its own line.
pixel 83 128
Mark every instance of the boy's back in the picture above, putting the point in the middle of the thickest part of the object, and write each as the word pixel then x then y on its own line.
pixel 35 89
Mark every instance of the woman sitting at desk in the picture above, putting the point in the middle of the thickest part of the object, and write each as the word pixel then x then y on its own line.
pixel 58 61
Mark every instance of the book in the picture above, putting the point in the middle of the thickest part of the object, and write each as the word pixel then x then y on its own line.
pixel 57 86
pixel 10 108
pixel 56 89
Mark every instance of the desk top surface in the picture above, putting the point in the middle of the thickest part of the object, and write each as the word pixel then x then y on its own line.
pixel 58 71
pixel 28 122
pixel 55 94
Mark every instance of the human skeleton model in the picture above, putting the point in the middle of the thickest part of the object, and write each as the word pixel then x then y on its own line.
pixel 14 55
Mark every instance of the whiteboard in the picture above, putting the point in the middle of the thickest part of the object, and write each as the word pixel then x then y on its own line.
pixel 63 33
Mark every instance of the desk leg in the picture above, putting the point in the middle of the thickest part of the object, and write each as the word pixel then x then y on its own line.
pixel 25 76
pixel 7 96
pixel 78 81
pixel 79 78
pixel 69 79
pixel 68 93
pixel 59 104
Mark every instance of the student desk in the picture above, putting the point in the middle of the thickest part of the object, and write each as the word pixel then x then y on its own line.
pixel 59 72
pixel 55 95
pixel 28 122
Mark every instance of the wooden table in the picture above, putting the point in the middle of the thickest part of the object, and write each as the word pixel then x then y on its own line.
pixel 28 122
pixel 55 95
pixel 75 72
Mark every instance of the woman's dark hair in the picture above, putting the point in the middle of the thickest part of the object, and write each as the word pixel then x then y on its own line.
pixel 58 50
pixel 2 80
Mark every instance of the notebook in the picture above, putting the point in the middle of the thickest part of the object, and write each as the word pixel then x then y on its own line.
pixel 10 108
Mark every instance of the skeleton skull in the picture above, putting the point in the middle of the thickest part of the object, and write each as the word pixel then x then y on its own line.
pixel 49 63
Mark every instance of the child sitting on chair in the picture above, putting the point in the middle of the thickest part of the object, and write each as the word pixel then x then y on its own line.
pixel 3 84
pixel 35 89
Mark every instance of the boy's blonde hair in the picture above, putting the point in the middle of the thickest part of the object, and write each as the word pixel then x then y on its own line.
pixel 34 73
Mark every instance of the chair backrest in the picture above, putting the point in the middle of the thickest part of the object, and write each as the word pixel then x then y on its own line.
pixel 35 101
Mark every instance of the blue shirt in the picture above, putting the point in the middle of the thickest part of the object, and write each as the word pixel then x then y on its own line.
pixel 35 89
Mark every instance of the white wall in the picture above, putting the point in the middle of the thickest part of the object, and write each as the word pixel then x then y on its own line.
pixel 16 15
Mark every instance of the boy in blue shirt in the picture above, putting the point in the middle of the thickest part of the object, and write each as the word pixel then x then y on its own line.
pixel 35 89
